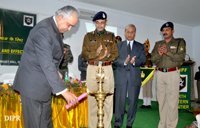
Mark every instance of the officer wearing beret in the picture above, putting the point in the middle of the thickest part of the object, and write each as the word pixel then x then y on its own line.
pixel 99 47
pixel 119 39
pixel 168 55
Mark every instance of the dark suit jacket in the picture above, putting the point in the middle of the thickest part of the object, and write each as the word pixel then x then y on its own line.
pixel 37 76
pixel 138 51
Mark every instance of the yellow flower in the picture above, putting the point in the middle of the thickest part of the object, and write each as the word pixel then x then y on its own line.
pixel 75 81
pixel 5 86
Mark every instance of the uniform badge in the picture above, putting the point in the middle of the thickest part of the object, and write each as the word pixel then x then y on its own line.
pixel 181 48
pixel 167 25
pixel 103 15
pixel 108 41
pixel 93 41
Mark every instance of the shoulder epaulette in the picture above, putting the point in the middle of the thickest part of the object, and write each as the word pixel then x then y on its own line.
pixel 179 39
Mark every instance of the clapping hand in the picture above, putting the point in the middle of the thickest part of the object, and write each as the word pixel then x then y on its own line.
pixel 127 59
pixel 165 50
pixel 133 60
pixel 99 50
pixel 105 54
pixel 160 50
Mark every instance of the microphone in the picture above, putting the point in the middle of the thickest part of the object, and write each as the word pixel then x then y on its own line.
pixel 188 57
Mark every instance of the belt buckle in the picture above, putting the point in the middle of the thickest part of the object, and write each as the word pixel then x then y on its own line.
pixel 99 62
pixel 164 69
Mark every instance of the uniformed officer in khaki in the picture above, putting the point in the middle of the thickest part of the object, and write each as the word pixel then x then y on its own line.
pixel 99 47
pixel 168 55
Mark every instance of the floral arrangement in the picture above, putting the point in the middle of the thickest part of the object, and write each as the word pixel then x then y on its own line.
pixel 7 89
pixel 75 85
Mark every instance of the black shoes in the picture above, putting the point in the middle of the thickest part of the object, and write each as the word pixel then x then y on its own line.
pixel 125 111
pixel 116 127
pixel 143 106
pixel 148 106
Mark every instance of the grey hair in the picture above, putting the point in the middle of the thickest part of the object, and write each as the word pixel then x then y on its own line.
pixel 67 11
pixel 129 25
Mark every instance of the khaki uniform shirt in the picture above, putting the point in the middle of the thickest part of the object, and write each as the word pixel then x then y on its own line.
pixel 92 41
pixel 175 55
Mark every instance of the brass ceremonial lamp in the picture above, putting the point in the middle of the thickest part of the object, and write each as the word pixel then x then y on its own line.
pixel 100 95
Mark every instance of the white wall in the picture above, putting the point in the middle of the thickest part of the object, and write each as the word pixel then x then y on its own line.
pixel 146 28
pixel 196 53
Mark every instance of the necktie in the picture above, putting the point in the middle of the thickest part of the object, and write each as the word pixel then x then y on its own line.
pixel 129 48
pixel 129 52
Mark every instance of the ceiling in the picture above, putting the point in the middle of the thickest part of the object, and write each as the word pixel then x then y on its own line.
pixel 184 12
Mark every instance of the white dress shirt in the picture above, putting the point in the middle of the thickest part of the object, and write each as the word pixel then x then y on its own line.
pixel 131 44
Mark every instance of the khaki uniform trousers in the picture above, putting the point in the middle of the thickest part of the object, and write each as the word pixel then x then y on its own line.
pixel 168 96
pixel 92 86
pixel 198 89
pixel 147 89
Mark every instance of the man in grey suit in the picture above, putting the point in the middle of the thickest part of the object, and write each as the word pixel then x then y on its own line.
pixel 38 74
pixel 131 57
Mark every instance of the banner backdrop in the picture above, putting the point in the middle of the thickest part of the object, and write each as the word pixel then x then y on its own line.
pixel 14 30
pixel 185 87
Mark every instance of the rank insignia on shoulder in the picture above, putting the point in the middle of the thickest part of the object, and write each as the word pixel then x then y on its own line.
pixel 181 48
pixel 108 41
pixel 172 47
pixel 93 41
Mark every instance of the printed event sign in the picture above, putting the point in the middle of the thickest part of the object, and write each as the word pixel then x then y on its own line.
pixel 185 87
pixel 14 30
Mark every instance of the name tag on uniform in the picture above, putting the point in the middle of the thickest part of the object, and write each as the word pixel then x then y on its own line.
pixel 93 40
pixel 172 47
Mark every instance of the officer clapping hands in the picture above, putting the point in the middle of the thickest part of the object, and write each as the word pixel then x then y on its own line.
pixel 99 51
pixel 162 50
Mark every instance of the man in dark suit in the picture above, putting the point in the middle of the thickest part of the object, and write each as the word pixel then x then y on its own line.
pixel 82 66
pixel 197 77
pixel 131 57
pixel 38 74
